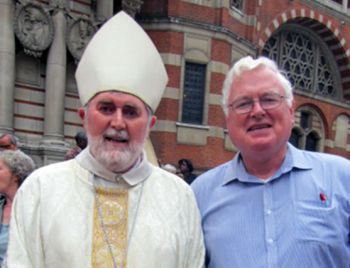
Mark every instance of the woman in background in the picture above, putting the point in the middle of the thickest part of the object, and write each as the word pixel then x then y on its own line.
pixel 15 166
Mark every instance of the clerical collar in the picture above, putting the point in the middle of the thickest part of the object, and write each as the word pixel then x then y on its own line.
pixel 135 175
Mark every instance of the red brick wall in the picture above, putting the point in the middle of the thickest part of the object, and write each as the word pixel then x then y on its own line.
pixel 221 51
pixel 167 41
pixel 203 157
pixel 216 80
pixel 171 41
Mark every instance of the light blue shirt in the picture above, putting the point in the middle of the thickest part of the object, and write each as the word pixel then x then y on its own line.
pixel 298 218
pixel 4 238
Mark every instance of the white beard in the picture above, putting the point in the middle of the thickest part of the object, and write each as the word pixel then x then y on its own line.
pixel 114 160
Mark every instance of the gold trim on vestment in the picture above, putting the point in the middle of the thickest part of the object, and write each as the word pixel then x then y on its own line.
pixel 110 233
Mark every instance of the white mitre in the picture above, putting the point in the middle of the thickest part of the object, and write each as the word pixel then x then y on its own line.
pixel 122 57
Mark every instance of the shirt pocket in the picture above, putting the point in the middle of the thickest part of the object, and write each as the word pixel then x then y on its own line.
pixel 318 221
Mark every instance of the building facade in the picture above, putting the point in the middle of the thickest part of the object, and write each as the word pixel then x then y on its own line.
pixel 42 41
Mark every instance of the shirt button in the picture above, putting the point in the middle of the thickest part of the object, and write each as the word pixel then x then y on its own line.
pixel 268 212
pixel 270 241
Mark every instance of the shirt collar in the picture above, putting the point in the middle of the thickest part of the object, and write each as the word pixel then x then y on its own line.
pixel 295 159
pixel 141 171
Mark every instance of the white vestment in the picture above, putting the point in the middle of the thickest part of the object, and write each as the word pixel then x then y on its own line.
pixel 52 224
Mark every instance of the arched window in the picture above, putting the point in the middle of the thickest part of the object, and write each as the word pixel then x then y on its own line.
pixel 308 62
pixel 295 138
pixel 308 130
pixel 312 142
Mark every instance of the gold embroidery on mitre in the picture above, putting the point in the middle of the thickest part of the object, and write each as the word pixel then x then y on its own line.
pixel 113 206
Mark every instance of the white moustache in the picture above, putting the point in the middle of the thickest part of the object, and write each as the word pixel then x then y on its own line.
pixel 112 133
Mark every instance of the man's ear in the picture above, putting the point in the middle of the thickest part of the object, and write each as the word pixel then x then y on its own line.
pixel 81 113
pixel 152 122
pixel 292 111
pixel 16 179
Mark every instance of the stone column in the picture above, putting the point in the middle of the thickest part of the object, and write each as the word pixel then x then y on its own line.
pixel 104 10
pixel 56 83
pixel 7 65
pixel 345 5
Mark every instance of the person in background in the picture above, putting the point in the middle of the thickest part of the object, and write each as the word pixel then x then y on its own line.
pixel 8 142
pixel 109 206
pixel 272 205
pixel 81 143
pixel 15 166
pixel 186 170
pixel 169 167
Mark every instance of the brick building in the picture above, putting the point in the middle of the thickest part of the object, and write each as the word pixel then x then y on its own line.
pixel 198 40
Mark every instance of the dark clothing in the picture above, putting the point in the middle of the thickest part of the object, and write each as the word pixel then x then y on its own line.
pixel 190 178
pixel 2 204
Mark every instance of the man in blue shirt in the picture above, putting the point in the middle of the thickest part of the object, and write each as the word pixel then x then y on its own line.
pixel 272 205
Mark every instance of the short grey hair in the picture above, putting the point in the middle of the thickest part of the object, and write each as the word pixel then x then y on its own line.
pixel 13 139
pixel 20 164
pixel 248 64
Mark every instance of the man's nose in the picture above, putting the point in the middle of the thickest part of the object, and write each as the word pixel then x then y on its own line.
pixel 117 120
pixel 257 109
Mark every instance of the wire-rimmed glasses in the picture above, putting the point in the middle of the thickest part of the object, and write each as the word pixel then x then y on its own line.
pixel 267 101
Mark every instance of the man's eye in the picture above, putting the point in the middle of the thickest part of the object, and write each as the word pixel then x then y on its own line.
pixel 130 111
pixel 242 104
pixel 106 108
pixel 269 99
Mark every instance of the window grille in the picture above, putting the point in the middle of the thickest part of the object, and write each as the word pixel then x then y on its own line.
pixel 193 93
pixel 305 120
pixel 304 61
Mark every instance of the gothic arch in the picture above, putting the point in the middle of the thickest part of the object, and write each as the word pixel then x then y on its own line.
pixel 325 28
pixel 326 123
pixel 309 126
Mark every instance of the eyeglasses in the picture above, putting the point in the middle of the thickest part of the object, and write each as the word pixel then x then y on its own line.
pixel 267 102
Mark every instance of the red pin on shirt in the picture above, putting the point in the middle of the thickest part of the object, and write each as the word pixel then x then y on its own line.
pixel 323 197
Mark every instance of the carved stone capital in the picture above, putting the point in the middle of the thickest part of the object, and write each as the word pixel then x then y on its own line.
pixel 79 33
pixel 59 4
pixel 34 28
pixel 132 6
